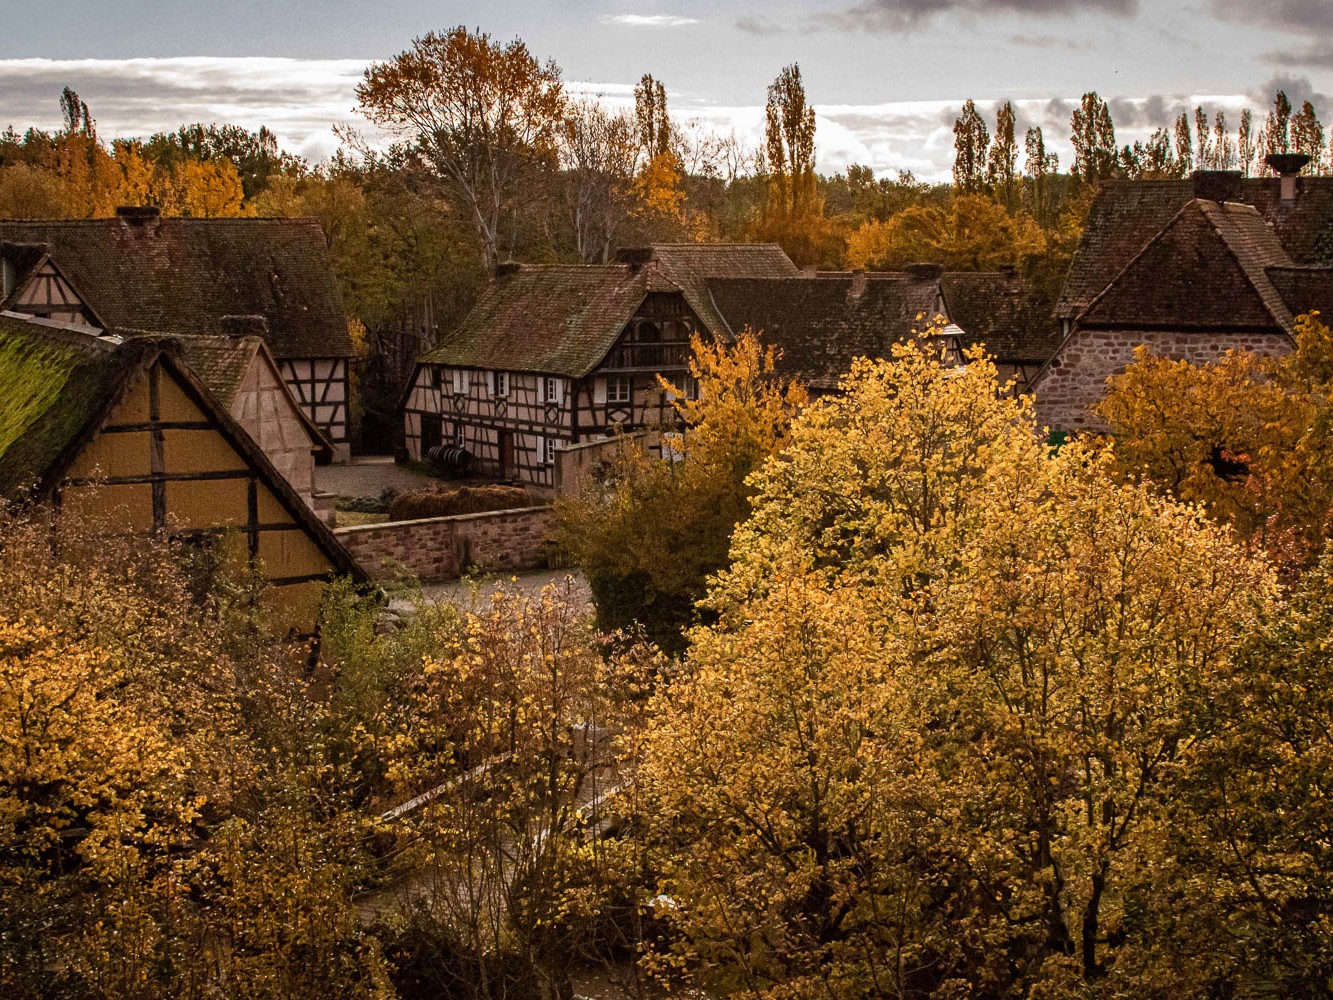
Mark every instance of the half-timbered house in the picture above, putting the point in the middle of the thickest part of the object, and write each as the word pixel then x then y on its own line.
pixel 554 355
pixel 123 430
pixel 270 277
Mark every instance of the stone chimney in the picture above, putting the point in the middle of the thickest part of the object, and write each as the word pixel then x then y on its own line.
pixel 138 215
pixel 1288 167
pixel 925 272
pixel 1217 185
pixel 858 286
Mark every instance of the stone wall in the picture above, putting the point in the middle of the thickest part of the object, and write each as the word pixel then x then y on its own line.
pixel 444 548
pixel 1075 380
pixel 577 464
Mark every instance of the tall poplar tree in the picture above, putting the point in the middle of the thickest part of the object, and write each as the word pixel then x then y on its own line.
pixel 971 143
pixel 651 117
pixel 1184 145
pixel 789 143
pixel 1307 136
pixel 1276 136
pixel 1002 161
pixel 1246 145
pixel 1092 134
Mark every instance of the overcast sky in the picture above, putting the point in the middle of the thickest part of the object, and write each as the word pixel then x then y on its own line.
pixel 887 77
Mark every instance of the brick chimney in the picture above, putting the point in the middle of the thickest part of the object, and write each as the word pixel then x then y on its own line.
pixel 1217 185
pixel 1288 167
pixel 858 286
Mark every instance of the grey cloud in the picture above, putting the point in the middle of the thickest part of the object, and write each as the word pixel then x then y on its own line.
pixel 1298 89
pixel 1317 56
pixel 758 25
pixel 1301 16
pixel 907 15
pixel 1050 42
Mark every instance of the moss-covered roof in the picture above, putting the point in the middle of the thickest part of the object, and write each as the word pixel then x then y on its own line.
pixel 54 383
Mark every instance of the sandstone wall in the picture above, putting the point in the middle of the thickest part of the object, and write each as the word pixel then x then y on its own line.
pixel 444 548
pixel 1075 380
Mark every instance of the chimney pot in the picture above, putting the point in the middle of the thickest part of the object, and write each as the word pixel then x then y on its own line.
pixel 1288 166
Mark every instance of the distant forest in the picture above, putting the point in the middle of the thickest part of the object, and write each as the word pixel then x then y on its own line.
pixel 490 159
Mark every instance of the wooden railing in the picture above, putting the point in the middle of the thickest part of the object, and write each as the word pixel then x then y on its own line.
pixel 647 357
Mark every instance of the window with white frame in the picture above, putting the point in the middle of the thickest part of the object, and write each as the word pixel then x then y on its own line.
pixel 619 389
pixel 546 449
pixel 460 382
pixel 459 437
pixel 690 385
pixel 499 384
pixel 553 389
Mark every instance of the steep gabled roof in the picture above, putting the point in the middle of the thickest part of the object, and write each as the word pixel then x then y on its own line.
pixel 55 383
pixel 822 322
pixel 1205 270
pixel 1125 215
pixel 687 267
pixel 1004 312
pixel 185 275
pixel 562 319
pixel 59 383
pixel 555 318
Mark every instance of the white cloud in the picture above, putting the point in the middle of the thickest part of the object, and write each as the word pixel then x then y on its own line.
pixel 650 20
pixel 302 99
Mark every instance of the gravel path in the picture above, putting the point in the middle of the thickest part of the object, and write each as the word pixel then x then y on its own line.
pixel 368 476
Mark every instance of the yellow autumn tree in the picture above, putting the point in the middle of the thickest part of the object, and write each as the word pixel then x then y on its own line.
pixel 1249 438
pixel 925 747
pixel 650 536
pixel 973 233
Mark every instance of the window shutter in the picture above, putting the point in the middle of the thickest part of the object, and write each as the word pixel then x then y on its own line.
pixel 490 383
pixel 599 391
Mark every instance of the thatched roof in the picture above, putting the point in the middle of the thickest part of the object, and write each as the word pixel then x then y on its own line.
pixel 191 275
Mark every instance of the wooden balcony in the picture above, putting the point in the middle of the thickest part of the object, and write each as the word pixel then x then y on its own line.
pixel 647 357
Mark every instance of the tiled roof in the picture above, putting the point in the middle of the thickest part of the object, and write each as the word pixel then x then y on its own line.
pixel 554 318
pixel 563 318
pixel 688 266
pixel 822 322
pixel 1125 215
pixel 1004 312
pixel 1305 289
pixel 1204 270
pixel 185 275
pixel 221 362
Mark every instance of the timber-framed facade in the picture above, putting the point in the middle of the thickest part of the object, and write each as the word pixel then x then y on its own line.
pixel 122 430
pixel 557 355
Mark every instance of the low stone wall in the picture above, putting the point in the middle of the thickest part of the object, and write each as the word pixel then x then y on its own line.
pixel 577 464
pixel 444 548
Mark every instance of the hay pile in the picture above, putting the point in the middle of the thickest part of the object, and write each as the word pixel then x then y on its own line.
pixel 463 500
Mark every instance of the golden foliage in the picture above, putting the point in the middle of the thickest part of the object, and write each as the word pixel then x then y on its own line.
pixel 975 233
